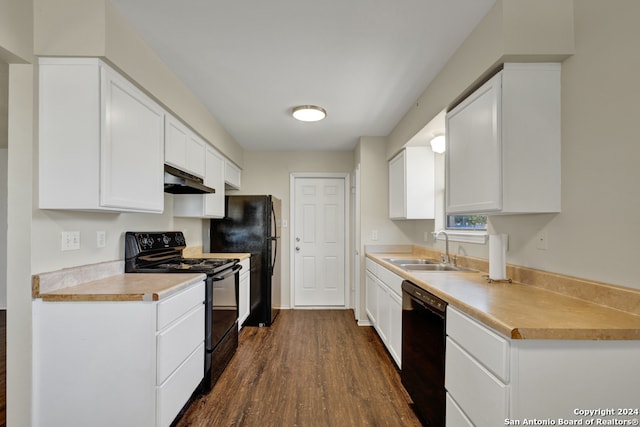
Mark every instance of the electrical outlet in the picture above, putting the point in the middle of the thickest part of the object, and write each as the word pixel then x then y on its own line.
pixel 542 240
pixel 374 235
pixel 101 239
pixel 70 240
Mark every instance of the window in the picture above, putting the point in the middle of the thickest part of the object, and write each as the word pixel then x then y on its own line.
pixel 466 222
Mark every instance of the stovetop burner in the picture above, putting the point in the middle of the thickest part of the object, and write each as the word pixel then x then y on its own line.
pixel 161 252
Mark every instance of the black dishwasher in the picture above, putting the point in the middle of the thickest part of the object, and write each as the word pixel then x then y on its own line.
pixel 423 347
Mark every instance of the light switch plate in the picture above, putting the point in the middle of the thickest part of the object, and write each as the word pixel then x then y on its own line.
pixel 101 239
pixel 70 240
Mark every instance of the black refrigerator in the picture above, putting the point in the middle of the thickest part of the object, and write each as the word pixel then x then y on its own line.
pixel 252 225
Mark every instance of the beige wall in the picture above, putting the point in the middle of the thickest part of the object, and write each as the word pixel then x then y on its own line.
pixel 371 155
pixel 4 103
pixel 16 44
pixel 593 236
pixel 48 224
pixel 269 172
pixel 20 188
pixel 16 31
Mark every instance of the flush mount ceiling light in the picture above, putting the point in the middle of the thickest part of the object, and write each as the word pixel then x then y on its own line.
pixel 308 113
pixel 438 144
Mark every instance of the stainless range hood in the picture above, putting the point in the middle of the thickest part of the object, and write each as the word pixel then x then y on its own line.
pixel 180 182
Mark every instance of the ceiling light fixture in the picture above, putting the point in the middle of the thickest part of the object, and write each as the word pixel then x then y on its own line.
pixel 308 113
pixel 438 144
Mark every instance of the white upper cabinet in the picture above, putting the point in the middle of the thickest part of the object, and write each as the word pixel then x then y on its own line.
pixel 412 184
pixel 503 144
pixel 183 149
pixel 100 140
pixel 205 205
pixel 232 176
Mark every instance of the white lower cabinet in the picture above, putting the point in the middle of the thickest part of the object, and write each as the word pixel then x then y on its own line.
pixel 455 416
pixel 382 315
pixel 124 363
pixel 384 307
pixel 371 304
pixel 394 344
pixel 244 292
pixel 483 396
pixel 493 380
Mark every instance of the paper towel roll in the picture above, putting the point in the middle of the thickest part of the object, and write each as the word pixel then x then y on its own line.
pixel 498 256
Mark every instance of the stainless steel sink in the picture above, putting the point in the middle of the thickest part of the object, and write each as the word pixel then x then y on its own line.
pixel 412 261
pixel 431 267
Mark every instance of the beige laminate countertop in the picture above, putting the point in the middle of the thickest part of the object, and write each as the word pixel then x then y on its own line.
pixel 125 287
pixel 522 311
pixel 107 282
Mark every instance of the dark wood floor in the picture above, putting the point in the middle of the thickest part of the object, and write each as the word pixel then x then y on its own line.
pixel 310 368
pixel 3 367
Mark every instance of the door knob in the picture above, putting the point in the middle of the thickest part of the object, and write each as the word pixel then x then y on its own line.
pixel 297 248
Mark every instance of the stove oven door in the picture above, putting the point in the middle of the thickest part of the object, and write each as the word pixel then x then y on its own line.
pixel 224 303
pixel 221 328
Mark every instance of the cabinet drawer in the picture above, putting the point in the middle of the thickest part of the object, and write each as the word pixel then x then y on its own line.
pixel 454 415
pixel 391 279
pixel 480 394
pixel 372 266
pixel 486 346
pixel 172 308
pixel 178 341
pixel 176 390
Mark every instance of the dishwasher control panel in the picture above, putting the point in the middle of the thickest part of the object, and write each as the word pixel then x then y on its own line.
pixel 425 297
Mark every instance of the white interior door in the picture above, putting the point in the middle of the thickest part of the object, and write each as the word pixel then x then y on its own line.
pixel 319 242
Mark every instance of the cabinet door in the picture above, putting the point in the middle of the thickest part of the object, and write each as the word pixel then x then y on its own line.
pixel 232 175
pixel 131 153
pixel 474 152
pixel 371 305
pixel 196 155
pixel 395 328
pixel 175 143
pixel 382 324
pixel 397 186
pixel 214 203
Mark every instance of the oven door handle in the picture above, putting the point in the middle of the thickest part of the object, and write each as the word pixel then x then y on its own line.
pixel 226 274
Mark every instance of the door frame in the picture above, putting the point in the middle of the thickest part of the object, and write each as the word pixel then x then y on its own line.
pixel 345 176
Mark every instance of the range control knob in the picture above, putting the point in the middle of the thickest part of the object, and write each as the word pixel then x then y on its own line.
pixel 146 241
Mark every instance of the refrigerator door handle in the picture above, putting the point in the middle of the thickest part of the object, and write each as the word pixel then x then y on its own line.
pixel 275 254
pixel 274 227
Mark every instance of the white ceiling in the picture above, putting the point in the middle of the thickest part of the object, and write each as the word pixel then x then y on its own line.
pixel 251 61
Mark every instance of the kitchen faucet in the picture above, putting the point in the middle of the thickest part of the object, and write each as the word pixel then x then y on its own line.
pixel 446 242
